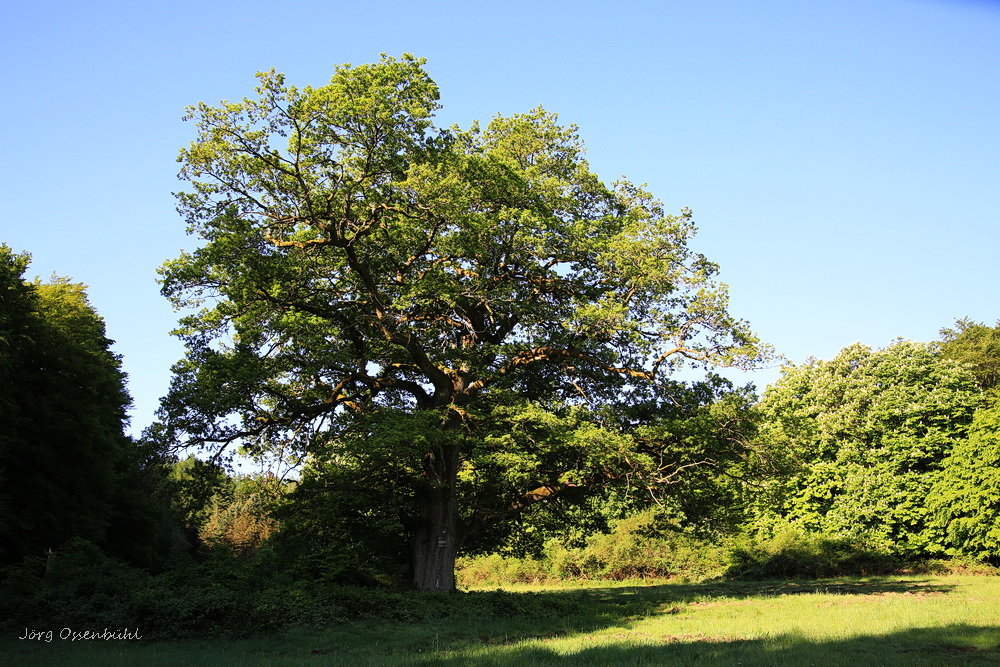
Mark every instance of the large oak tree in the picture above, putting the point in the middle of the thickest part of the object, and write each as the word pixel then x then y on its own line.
pixel 381 293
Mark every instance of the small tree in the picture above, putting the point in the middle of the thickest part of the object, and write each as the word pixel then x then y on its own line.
pixel 451 309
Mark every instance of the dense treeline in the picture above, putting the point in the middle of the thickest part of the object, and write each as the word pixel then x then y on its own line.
pixel 868 436
pixel 67 469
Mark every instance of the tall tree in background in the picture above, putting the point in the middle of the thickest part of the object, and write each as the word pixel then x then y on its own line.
pixel 456 308
pixel 64 402
pixel 976 345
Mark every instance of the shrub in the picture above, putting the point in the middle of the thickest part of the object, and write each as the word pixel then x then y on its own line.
pixel 87 589
pixel 638 547
pixel 796 555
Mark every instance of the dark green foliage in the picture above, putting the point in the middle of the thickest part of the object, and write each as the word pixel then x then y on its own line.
pixel 18 330
pixel 66 468
pixel 142 529
pixel 226 597
pixel 351 516
pixel 569 519
pixel 795 555
pixel 192 484
pixel 334 531
pixel 692 459
pixel 700 437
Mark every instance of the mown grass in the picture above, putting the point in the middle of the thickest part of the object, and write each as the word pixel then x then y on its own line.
pixel 911 620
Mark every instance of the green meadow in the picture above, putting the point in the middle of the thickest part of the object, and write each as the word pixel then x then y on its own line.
pixel 904 620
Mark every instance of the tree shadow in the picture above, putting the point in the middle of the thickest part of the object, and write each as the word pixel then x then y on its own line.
pixel 627 606
pixel 745 589
pixel 659 594
pixel 501 627
pixel 946 645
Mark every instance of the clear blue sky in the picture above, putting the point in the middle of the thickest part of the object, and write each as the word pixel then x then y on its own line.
pixel 842 158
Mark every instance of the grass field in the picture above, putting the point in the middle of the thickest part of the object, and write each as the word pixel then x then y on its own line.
pixel 914 620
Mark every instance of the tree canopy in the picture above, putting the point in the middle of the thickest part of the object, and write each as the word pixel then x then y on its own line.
pixel 977 346
pixel 63 454
pixel 460 308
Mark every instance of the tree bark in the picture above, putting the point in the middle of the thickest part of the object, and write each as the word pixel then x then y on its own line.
pixel 436 542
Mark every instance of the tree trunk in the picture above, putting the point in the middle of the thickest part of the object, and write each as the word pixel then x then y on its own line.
pixel 436 542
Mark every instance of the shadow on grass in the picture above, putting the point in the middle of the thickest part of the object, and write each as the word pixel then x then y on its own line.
pixel 947 645
pixel 955 644
pixel 511 628
pixel 748 589
pixel 520 639
pixel 613 605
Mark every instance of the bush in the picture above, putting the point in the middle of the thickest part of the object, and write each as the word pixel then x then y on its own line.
pixel 497 570
pixel 792 554
pixel 236 599
pixel 638 547
pixel 82 586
